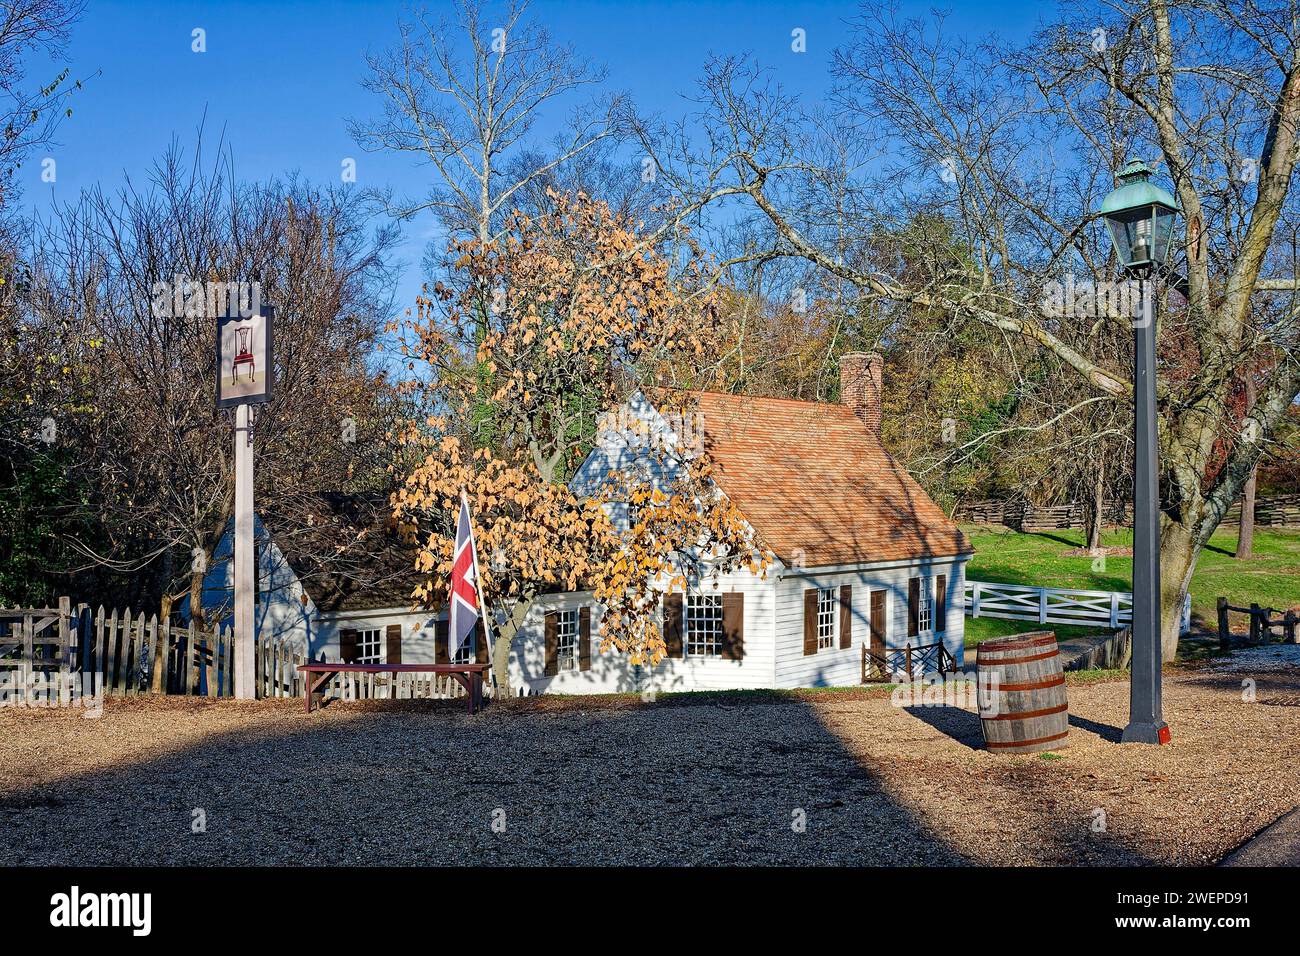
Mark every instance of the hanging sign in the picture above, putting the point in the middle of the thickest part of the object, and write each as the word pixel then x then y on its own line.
pixel 244 357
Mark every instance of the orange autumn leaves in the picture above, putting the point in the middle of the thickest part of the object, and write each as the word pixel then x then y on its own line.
pixel 543 331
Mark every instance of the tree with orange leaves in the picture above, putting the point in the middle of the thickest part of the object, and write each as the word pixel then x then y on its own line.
pixel 554 324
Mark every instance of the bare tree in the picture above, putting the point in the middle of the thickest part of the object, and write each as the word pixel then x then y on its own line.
pixel 28 115
pixel 156 453
pixel 464 99
pixel 1015 146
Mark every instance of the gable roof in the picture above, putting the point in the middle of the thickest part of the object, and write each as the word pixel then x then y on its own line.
pixel 817 485
pixel 349 557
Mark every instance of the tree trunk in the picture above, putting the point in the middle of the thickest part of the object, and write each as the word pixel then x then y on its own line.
pixel 196 600
pixel 1246 529
pixel 1179 550
pixel 1096 511
pixel 503 635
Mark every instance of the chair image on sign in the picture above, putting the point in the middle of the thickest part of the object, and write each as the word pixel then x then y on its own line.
pixel 244 356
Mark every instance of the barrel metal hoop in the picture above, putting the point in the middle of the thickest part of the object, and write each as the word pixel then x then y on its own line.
pixel 1028 714
pixel 1024 660
pixel 1056 681
pixel 1003 744
pixel 1003 645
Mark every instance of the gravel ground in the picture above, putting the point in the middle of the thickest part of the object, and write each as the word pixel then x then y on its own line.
pixel 612 781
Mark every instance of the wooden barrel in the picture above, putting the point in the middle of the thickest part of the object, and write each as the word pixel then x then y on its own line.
pixel 1022 693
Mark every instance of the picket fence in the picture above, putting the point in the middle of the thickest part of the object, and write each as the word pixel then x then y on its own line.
pixel 53 653
pixel 1019 602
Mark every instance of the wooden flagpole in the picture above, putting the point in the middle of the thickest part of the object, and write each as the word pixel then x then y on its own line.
pixel 484 611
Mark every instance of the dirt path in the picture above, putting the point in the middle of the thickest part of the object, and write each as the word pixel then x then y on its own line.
pixel 821 778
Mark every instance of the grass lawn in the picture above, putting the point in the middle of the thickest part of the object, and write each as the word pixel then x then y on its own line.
pixel 1271 578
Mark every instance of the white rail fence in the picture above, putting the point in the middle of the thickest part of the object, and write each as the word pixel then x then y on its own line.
pixel 1020 602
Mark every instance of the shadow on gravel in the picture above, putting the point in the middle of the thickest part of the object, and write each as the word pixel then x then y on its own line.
pixel 962 726
pixel 707 784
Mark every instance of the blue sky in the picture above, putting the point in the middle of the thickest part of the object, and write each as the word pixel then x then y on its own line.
pixel 280 79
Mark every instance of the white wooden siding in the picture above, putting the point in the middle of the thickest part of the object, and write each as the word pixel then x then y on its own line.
pixel 834 666
pixel 611 672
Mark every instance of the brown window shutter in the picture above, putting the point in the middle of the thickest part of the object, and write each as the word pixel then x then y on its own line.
pixel 440 652
pixel 809 621
pixel 674 624
pixel 846 615
pixel 551 630
pixel 584 639
pixel 940 603
pixel 393 638
pixel 733 626
pixel 480 643
pixel 878 625
pixel 348 645
pixel 913 602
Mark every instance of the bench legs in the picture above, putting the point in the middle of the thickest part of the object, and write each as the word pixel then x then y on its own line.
pixel 473 684
pixel 314 686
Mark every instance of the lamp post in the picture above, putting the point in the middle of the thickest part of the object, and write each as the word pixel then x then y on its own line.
pixel 1140 216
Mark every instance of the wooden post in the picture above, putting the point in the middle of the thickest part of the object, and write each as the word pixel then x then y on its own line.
pixel 163 643
pixel 64 691
pixel 112 647
pixel 1255 612
pixel 1288 626
pixel 124 662
pixel 245 585
pixel 187 660
pixel 230 661
pixel 1225 636
pixel 97 654
pixel 909 662
pixel 1042 605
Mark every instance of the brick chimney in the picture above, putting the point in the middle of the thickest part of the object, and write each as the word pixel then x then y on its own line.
pixel 860 385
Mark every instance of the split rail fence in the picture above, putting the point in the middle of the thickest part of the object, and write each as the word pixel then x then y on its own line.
pixel 1020 602
pixel 1275 511
pixel 55 656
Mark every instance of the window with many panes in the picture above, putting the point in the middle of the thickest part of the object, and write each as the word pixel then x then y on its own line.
pixel 368 647
pixel 827 619
pixel 566 640
pixel 465 653
pixel 704 625
pixel 633 515
pixel 923 612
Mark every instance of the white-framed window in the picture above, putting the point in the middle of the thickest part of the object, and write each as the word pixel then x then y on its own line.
pixel 633 515
pixel 566 640
pixel 923 606
pixel 465 653
pixel 827 618
pixel 704 625
pixel 370 647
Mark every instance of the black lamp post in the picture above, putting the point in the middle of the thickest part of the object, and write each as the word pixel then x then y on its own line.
pixel 1140 217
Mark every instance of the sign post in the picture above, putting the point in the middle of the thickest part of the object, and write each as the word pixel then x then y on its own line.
pixel 244 375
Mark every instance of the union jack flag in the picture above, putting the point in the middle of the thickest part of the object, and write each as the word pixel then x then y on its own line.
pixel 464 583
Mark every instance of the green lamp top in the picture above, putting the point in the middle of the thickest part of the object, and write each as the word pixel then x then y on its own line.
pixel 1136 190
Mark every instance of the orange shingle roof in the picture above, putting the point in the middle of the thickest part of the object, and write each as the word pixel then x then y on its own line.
pixel 817 485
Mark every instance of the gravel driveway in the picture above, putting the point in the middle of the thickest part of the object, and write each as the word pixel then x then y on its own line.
pixel 820 778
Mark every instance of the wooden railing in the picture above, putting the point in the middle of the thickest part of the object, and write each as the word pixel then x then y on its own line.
pixel 1022 602
pixel 1262 625
pixel 914 661
pixel 1278 511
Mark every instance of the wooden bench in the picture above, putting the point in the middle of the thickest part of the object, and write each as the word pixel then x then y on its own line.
pixel 469 676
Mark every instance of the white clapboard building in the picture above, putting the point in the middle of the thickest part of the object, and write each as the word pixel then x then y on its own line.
pixel 863 556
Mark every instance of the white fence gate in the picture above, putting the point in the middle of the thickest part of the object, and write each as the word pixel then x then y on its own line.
pixel 1020 602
